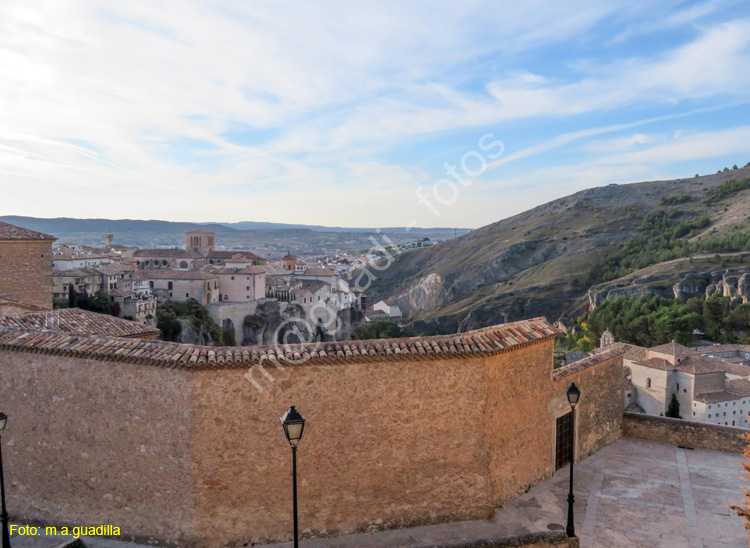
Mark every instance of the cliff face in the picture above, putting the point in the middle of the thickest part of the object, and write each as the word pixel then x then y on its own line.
pixel 732 282
pixel 535 263
pixel 264 321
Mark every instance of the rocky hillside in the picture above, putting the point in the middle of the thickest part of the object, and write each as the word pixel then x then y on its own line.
pixel 543 261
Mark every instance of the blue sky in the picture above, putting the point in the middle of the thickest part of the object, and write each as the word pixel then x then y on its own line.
pixel 341 113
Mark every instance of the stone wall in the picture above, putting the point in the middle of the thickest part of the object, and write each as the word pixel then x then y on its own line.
pixel 198 456
pixel 96 443
pixel 26 271
pixel 696 435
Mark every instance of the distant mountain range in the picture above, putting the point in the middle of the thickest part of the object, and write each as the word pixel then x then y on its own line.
pixel 248 234
pixel 68 225
pixel 253 225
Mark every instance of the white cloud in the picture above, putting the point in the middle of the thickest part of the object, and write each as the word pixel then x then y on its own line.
pixel 115 104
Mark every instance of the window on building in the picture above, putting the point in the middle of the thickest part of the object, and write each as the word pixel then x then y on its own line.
pixel 709 415
pixel 693 413
pixel 187 295
pixel 732 423
pixel 725 413
pixel 709 407
pixel 684 390
pixel 170 286
pixel 678 387
pixel 648 382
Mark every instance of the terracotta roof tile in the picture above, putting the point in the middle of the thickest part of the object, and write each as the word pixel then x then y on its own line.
pixel 317 272
pixel 167 354
pixel 674 349
pixel 170 274
pixel 735 389
pixel 13 232
pixel 77 321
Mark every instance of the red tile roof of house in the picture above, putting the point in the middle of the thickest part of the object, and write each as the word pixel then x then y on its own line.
pixel 487 341
pixel 632 352
pixel 735 389
pixel 170 274
pixel 234 270
pixel 674 349
pixel 77 321
pixel 237 254
pixel 167 254
pixel 13 232
pixel 317 272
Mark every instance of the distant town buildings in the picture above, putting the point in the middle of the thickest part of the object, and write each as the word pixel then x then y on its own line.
pixel 138 280
pixel 711 383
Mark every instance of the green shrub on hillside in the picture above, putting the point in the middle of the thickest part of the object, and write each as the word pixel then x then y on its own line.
pixel 725 189
pixel 675 199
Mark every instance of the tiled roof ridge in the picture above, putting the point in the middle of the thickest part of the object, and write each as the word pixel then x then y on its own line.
pixel 7 301
pixel 580 365
pixel 14 232
pixel 76 321
pixel 484 341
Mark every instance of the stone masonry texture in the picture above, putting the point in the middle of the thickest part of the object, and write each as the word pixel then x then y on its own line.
pixel 198 457
pixel 695 435
pixel 26 271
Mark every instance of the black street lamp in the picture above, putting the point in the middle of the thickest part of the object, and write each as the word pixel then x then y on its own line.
pixel 293 424
pixel 6 535
pixel 573 393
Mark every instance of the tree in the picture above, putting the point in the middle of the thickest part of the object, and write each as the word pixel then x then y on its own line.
pixel 100 303
pixel 381 329
pixel 673 409
pixel 166 322
pixel 82 300
pixel 743 509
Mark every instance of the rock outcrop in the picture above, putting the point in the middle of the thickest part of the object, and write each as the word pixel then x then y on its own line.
pixel 730 282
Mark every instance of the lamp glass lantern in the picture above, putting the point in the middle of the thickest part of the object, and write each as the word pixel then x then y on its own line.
pixel 573 393
pixel 293 423
pixel 3 421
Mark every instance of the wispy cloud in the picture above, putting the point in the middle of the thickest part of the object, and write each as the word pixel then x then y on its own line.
pixel 237 111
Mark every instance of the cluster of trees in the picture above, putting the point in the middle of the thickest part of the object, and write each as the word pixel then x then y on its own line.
pixel 381 329
pixel 169 314
pixel 650 322
pixel 727 169
pixel 662 237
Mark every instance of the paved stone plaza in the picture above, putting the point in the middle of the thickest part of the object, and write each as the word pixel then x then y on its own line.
pixel 634 493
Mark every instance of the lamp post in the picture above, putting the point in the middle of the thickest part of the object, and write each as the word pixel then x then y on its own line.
pixel 6 535
pixel 573 393
pixel 293 424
